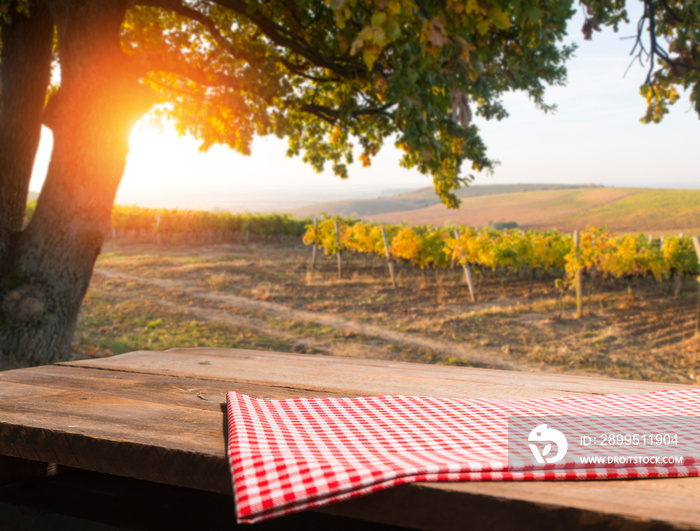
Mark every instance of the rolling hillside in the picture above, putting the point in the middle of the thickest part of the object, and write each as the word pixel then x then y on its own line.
pixel 536 206
pixel 416 199
pixel 645 210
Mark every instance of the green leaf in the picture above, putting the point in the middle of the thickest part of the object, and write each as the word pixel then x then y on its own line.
pixel 378 19
pixel 533 12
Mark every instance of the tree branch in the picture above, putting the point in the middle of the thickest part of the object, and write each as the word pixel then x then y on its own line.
pixel 331 115
pixel 670 11
pixel 179 66
pixel 269 29
pixel 177 7
pixel 279 36
pixel 655 49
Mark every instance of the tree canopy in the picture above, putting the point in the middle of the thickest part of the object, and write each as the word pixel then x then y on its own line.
pixel 667 43
pixel 329 75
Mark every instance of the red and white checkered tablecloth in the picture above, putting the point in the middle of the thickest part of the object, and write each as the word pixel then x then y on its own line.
pixel 289 455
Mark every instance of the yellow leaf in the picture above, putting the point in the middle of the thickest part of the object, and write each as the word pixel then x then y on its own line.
pixel 457 6
pixel 500 18
pixel 378 36
pixel 378 19
pixel 473 7
pixel 369 56
pixel 394 7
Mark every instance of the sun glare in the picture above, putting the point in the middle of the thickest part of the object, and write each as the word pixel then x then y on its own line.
pixel 151 138
pixel 160 157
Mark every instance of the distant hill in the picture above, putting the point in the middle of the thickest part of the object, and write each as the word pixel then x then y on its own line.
pixel 358 208
pixel 417 199
pixel 539 207
pixel 640 210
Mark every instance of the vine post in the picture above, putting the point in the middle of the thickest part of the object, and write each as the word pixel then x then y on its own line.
pixel 696 244
pixel 337 242
pixel 467 274
pixel 389 260
pixel 578 282
pixel 678 276
pixel 314 247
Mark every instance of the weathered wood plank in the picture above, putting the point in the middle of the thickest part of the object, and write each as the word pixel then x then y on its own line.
pixel 122 423
pixel 671 499
pixel 180 391
pixel 361 376
pixel 171 444
pixel 158 416
pixel 638 505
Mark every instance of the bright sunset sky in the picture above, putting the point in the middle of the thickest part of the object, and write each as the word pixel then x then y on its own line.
pixel 595 137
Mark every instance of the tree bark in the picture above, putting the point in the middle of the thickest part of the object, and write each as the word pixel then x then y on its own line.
pixel 91 116
pixel 25 70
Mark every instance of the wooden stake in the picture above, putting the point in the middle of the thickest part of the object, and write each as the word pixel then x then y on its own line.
pixel 468 274
pixel 314 247
pixel 696 244
pixel 337 241
pixel 579 279
pixel 389 261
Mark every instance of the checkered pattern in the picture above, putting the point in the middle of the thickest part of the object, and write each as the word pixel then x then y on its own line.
pixel 289 455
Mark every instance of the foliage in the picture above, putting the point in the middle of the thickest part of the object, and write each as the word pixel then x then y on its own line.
pixel 177 221
pixel 607 254
pixel 423 246
pixel 601 252
pixel 668 39
pixel 679 253
pixel 9 8
pixel 340 76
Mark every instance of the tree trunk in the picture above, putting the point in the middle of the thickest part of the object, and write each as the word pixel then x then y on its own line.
pixel 91 116
pixel 25 70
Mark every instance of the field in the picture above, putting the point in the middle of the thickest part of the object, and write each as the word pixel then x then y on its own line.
pixel 540 207
pixel 146 296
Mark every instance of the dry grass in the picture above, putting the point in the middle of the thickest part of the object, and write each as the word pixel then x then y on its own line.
pixel 266 297
pixel 620 209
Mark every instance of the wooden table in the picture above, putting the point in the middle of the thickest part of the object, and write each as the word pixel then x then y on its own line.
pixel 159 417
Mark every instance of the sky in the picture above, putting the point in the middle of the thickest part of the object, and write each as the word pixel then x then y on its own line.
pixel 594 137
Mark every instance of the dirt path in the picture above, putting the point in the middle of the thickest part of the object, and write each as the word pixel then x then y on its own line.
pixel 223 304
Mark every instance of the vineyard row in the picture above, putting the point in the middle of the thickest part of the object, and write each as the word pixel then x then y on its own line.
pixel 599 251
pixel 176 222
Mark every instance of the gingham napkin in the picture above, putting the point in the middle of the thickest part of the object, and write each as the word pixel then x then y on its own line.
pixel 289 455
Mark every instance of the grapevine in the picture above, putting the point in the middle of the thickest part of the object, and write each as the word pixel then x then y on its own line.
pixel 601 252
